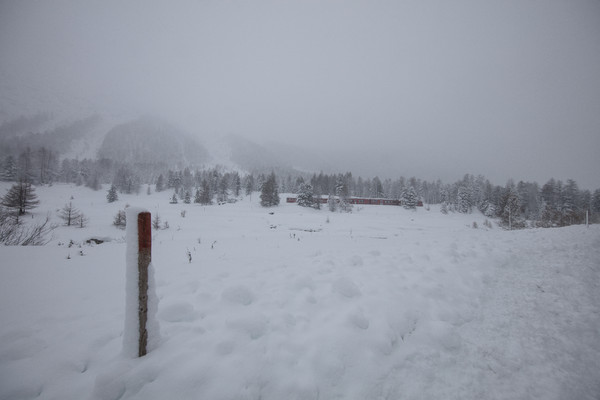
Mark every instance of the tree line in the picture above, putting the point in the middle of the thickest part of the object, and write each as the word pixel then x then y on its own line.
pixel 516 204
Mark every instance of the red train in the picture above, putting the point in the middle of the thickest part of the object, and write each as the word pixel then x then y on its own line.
pixel 361 200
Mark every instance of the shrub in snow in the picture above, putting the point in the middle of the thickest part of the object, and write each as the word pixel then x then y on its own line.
pixel 12 233
pixel 120 220
pixel 81 220
pixel 156 222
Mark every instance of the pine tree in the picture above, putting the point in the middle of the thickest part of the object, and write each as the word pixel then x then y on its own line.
pixel 160 183
pixel 464 204
pixel 332 203
pixel 444 208
pixel 112 195
pixel 206 194
pixel 409 198
pixel 120 220
pixel 269 195
pixel 237 185
pixel 511 213
pixel 9 169
pixel 249 185
pixel 305 197
pixel 595 205
pixel 174 199
pixel 20 197
pixel 187 198
pixel 343 193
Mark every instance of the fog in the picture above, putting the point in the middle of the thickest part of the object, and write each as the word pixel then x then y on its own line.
pixel 433 89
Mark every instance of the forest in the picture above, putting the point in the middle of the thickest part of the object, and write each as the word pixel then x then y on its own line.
pixel 516 204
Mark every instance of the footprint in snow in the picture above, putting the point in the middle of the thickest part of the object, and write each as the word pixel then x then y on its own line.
pixel 239 295
pixel 178 312
pixel 346 288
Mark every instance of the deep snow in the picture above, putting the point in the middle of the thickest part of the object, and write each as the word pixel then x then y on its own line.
pixel 383 303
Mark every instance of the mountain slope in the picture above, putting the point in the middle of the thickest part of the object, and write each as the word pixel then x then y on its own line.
pixel 151 140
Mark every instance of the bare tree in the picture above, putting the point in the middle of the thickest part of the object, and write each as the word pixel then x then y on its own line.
pixel 69 214
pixel 13 233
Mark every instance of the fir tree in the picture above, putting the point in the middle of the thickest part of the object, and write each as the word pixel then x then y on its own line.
pixel 464 204
pixel 160 183
pixel 511 213
pixel 249 185
pixel 305 197
pixel 112 195
pixel 206 194
pixel 269 195
pixel 409 198
pixel 174 199
pixel 332 203
pixel 9 169
pixel 187 198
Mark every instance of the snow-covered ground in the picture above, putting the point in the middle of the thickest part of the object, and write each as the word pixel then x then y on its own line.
pixel 293 303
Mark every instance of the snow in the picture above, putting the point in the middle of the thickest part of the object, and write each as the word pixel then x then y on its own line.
pixel 383 303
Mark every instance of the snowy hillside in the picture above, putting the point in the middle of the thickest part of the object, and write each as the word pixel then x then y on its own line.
pixel 295 303
pixel 151 140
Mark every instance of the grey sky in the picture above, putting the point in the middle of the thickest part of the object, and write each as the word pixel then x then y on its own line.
pixel 425 88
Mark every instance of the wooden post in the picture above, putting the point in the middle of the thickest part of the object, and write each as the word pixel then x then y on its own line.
pixel 144 258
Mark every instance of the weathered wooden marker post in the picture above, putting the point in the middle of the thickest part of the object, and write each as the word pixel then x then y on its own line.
pixel 144 259
pixel 141 333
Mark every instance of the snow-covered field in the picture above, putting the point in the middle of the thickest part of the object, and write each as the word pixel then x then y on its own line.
pixel 293 303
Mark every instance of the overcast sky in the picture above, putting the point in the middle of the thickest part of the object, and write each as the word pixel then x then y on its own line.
pixel 424 88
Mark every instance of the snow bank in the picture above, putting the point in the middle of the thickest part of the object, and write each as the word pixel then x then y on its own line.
pixel 131 330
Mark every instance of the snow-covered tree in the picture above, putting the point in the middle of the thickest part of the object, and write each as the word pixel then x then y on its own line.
pixel 249 184
pixel 9 169
pixel 120 220
pixel 444 208
pixel 187 198
pixel 160 183
pixel 595 205
pixel 269 195
pixel 305 196
pixel 174 199
pixel 205 193
pixel 464 204
pixel 511 213
pixel 409 198
pixel 112 195
pixel 332 203
pixel 377 188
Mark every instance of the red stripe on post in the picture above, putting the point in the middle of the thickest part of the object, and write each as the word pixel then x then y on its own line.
pixel 144 231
